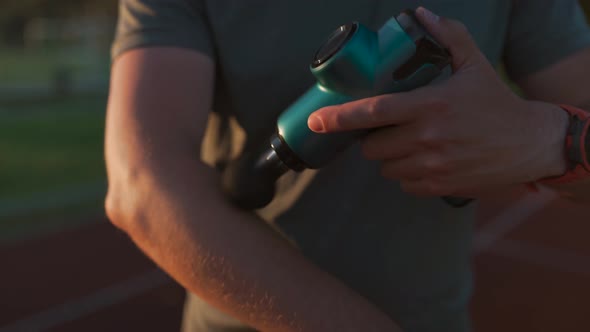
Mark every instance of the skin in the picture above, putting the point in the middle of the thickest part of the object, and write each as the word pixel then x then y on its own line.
pixel 471 133
pixel 169 203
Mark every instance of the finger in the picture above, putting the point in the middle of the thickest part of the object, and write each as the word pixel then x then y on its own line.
pixel 421 166
pixel 372 112
pixel 423 188
pixel 391 142
pixel 455 186
pixel 452 35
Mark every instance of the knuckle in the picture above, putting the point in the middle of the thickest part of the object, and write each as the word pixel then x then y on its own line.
pixel 428 137
pixel 438 165
pixel 376 107
pixel 434 165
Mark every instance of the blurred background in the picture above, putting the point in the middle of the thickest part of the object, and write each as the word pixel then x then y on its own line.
pixel 64 268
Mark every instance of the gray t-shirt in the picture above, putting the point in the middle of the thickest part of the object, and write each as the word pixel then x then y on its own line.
pixel 410 256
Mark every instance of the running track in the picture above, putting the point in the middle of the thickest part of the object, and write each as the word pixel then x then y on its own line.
pixel 531 258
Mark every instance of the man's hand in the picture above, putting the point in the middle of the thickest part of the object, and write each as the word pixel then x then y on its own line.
pixel 460 137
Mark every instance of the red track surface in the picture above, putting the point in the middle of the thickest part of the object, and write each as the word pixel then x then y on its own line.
pixel 535 278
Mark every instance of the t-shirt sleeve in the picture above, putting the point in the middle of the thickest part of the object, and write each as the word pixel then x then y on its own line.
pixel 178 23
pixel 542 32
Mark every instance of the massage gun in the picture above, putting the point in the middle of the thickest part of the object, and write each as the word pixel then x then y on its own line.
pixel 354 63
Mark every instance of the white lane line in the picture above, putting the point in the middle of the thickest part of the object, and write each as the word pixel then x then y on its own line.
pixel 89 304
pixel 558 259
pixel 510 218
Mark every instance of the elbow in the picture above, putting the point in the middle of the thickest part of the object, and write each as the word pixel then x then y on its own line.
pixel 124 203
pixel 117 212
pixel 125 208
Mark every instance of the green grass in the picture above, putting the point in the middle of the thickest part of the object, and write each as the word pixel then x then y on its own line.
pixel 50 146
pixel 23 67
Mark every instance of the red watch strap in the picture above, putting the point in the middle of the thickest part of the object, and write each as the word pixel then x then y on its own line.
pixel 578 132
pixel 576 141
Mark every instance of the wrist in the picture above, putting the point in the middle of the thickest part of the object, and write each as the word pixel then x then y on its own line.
pixel 554 141
pixel 576 148
pixel 556 132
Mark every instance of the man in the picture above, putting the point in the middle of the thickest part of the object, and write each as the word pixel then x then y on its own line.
pixel 349 249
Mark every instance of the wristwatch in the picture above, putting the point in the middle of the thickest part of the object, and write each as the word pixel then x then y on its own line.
pixel 577 147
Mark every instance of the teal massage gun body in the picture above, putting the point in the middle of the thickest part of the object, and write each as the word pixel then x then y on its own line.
pixel 354 63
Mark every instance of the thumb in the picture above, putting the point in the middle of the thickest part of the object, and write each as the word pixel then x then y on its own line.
pixel 452 35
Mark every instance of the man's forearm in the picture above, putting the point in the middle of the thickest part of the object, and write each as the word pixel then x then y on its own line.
pixel 231 259
pixel 168 202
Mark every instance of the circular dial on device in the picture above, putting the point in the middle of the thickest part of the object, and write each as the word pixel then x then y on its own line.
pixel 334 44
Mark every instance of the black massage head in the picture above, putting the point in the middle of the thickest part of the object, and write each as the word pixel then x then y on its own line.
pixel 249 182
